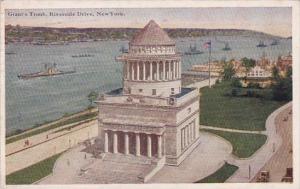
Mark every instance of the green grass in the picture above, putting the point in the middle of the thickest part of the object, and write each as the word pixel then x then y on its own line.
pixel 32 173
pixel 244 144
pixel 63 123
pixel 245 113
pixel 220 175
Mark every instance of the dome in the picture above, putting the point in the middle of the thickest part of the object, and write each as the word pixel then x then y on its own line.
pixel 152 34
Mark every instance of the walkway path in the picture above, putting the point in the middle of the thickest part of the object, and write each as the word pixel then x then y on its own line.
pixel 231 130
pixel 19 145
pixel 42 147
pixel 263 155
pixel 283 158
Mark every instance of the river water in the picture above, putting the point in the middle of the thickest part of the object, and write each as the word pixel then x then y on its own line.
pixel 34 101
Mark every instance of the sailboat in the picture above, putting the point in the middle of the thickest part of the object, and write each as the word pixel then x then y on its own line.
pixel 193 50
pixel 227 47
pixel 261 44
pixel 274 42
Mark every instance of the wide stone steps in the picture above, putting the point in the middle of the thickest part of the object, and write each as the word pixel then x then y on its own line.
pixel 115 172
pixel 129 159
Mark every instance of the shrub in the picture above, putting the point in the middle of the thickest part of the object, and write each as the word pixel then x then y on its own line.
pixel 236 83
pixel 254 85
pixel 234 92
pixel 251 93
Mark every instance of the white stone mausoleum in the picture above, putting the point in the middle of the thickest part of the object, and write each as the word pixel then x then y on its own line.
pixel 152 116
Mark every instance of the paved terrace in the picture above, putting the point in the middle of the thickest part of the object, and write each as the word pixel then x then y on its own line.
pixel 208 157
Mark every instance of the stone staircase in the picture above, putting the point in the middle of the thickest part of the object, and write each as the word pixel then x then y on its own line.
pixel 138 169
pixel 129 159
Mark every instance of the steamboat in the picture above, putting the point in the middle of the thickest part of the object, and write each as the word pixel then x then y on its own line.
pixel 49 70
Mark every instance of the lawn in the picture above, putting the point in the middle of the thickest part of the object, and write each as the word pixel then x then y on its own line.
pixel 32 173
pixel 244 144
pixel 60 124
pixel 220 175
pixel 245 113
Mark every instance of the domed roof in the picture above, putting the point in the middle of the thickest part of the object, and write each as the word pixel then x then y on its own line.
pixel 152 34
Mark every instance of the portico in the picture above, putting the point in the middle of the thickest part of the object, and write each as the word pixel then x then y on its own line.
pixel 131 137
pixel 126 142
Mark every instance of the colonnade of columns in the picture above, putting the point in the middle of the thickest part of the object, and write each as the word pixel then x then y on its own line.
pixel 188 135
pixel 127 142
pixel 152 71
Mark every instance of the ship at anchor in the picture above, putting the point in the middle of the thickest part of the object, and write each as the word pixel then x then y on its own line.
pixel 49 70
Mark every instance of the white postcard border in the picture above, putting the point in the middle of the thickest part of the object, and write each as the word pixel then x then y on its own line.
pixel 33 4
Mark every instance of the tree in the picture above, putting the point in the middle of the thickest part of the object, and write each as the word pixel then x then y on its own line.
pixel 282 88
pixel 248 63
pixel 289 72
pixel 275 73
pixel 236 83
pixel 92 97
pixel 228 70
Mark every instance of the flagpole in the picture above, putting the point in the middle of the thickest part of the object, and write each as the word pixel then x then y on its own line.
pixel 209 84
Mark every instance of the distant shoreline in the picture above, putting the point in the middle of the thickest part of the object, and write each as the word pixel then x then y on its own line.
pixel 66 35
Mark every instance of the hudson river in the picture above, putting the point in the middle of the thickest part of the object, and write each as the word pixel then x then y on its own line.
pixel 29 102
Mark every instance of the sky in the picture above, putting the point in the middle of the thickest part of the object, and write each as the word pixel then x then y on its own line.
pixel 272 20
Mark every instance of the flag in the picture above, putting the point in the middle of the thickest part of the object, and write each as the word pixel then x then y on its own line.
pixel 207 45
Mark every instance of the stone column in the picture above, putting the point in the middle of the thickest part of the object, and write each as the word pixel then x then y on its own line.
pixel 159 147
pixel 176 69
pixel 164 70
pixel 115 150
pixel 194 131
pixel 178 76
pixel 169 76
pixel 192 135
pixel 188 134
pixel 173 74
pixel 128 70
pixel 157 70
pixel 186 137
pixel 196 122
pixel 149 148
pixel 137 144
pixel 132 70
pixel 126 138
pixel 182 139
pixel 151 71
pixel 179 68
pixel 137 71
pixel 105 141
pixel 144 71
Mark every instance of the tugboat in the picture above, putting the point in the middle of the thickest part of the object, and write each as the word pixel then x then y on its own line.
pixel 274 42
pixel 123 49
pixel 226 48
pixel 261 44
pixel 193 50
pixel 49 70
